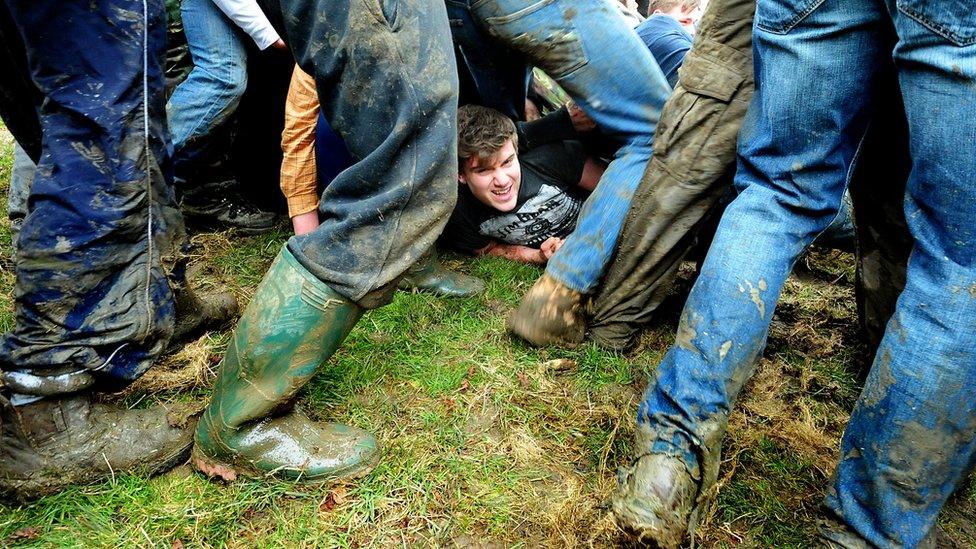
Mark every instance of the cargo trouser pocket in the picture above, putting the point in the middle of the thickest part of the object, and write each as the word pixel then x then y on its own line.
pixel 697 109
pixel 537 31
pixel 954 21
pixel 780 16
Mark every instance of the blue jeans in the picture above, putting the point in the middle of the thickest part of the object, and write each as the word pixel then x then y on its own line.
pixel 91 296
pixel 820 66
pixel 590 51
pixel 212 90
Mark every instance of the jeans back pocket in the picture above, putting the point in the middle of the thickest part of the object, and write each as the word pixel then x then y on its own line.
pixel 954 20
pixel 780 16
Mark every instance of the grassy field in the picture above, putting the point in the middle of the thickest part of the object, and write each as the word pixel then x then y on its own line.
pixel 487 442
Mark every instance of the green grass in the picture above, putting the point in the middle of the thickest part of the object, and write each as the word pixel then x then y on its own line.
pixel 486 441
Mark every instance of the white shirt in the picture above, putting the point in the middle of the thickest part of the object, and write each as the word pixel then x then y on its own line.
pixel 248 16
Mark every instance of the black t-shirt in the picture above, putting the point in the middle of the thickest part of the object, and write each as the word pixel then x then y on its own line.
pixel 548 203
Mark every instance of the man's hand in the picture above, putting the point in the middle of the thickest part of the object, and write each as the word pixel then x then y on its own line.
pixel 550 247
pixel 581 121
pixel 279 44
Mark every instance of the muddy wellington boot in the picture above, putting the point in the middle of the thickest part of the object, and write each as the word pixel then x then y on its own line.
pixel 429 275
pixel 196 313
pixel 50 444
pixel 550 314
pixel 292 326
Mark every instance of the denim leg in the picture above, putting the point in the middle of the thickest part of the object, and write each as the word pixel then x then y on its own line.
pixel 91 294
pixel 212 90
pixel 387 80
pixel 795 148
pixel 911 439
pixel 21 179
pixel 589 49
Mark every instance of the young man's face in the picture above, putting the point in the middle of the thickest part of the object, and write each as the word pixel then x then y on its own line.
pixel 495 182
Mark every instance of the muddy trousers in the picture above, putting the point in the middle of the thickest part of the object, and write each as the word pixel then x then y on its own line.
pixel 387 82
pixel 690 171
pixel 91 297
pixel 590 51
pixel 911 435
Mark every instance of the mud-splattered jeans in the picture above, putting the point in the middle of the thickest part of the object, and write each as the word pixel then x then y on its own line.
pixel 387 82
pixel 598 59
pixel 911 435
pixel 91 296
pixel 212 90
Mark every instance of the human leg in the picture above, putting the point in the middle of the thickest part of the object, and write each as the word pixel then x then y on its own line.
pixel 93 308
pixel 199 110
pixel 791 185
pixel 389 91
pixel 592 53
pixel 21 179
pixel 692 165
pixel 910 438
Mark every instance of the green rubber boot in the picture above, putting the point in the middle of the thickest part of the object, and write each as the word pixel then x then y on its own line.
pixel 428 275
pixel 292 326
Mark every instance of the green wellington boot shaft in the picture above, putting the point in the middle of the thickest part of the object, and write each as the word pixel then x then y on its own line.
pixel 292 325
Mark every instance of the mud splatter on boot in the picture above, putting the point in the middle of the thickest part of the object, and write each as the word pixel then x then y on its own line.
pixel 550 314
pixel 291 327
pixel 48 445
pixel 656 501
pixel 196 314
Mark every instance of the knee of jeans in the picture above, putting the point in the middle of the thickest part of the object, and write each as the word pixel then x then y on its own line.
pixel 232 80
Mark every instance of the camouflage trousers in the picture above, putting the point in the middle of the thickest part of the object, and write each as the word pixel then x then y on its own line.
pixel 92 302
pixel 691 169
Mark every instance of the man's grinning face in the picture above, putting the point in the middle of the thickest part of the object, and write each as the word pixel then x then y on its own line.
pixel 495 182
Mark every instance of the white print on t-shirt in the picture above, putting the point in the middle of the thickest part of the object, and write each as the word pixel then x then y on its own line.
pixel 551 212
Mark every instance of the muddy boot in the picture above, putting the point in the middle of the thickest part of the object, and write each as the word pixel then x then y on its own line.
pixel 50 444
pixel 428 275
pixel 656 501
pixel 292 326
pixel 550 314
pixel 196 315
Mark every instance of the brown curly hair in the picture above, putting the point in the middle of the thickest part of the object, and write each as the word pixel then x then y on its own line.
pixel 482 132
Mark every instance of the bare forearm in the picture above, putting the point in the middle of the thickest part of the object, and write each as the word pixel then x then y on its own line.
pixel 515 253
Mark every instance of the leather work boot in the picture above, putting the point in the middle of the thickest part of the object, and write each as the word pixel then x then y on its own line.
pixel 291 327
pixel 50 444
pixel 196 315
pixel 428 275
pixel 550 314
pixel 220 206
pixel 656 501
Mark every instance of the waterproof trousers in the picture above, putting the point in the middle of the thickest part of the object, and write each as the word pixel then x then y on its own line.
pixel 91 296
pixel 910 439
